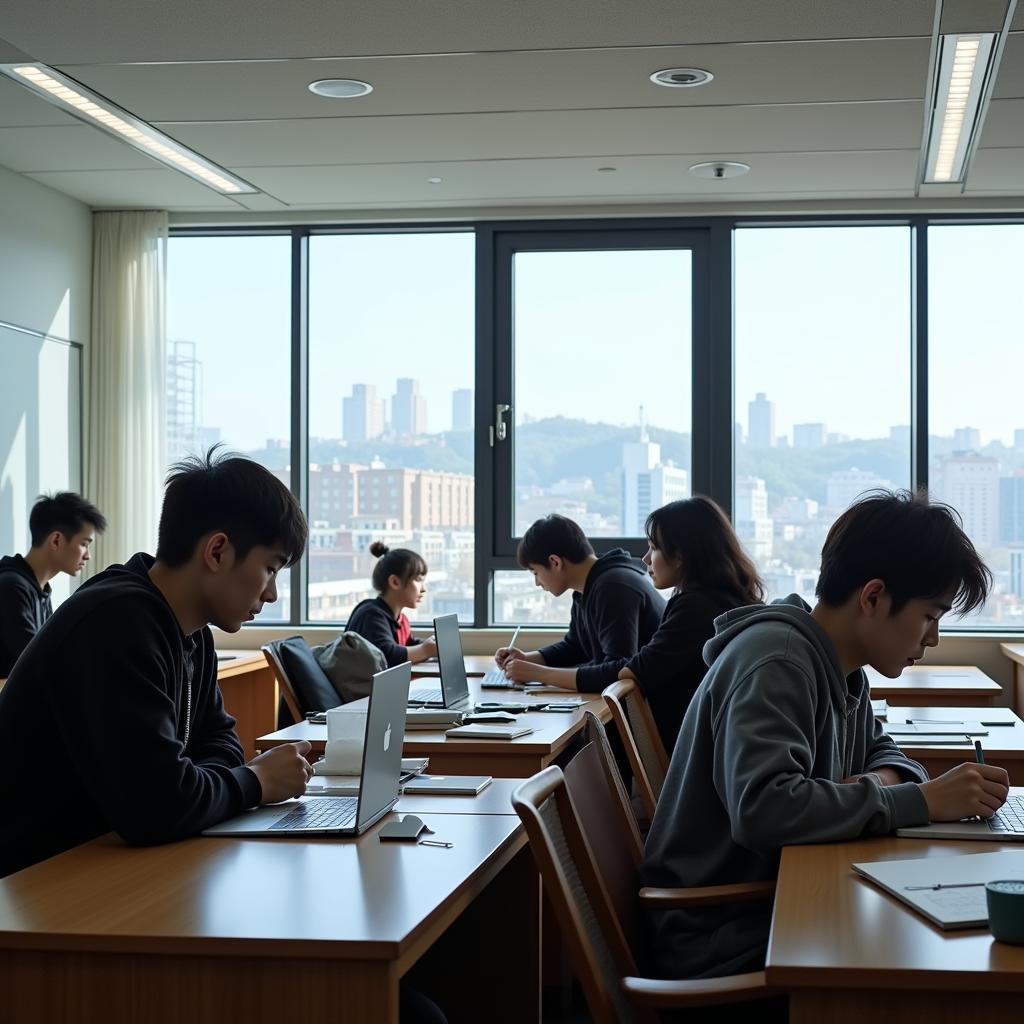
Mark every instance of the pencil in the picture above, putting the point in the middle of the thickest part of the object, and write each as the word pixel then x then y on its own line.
pixel 978 752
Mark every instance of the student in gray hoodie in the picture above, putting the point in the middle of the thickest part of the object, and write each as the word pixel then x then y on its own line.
pixel 779 745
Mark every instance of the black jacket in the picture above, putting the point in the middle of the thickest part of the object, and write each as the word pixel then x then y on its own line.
pixel 669 669
pixel 113 719
pixel 617 613
pixel 373 620
pixel 24 607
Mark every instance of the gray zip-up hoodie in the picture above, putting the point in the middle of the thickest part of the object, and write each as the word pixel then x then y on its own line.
pixel 770 733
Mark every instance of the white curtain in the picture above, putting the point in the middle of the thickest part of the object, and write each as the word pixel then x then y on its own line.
pixel 125 437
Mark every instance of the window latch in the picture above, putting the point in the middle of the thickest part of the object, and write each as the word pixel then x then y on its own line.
pixel 499 431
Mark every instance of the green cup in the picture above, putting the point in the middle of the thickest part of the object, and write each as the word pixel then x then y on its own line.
pixel 1006 910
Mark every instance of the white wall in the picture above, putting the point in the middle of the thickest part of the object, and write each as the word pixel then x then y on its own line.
pixel 45 286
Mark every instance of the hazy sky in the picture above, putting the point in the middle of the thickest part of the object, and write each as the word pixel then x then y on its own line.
pixel 822 326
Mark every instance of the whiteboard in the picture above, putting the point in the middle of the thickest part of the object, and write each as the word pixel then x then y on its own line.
pixel 40 429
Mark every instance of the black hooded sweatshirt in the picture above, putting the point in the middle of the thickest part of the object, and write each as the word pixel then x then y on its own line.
pixel 617 613
pixel 24 607
pixel 113 720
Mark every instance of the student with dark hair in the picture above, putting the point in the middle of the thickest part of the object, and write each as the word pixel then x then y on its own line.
pixel 615 609
pixel 398 577
pixel 779 745
pixel 124 679
pixel 62 528
pixel 693 548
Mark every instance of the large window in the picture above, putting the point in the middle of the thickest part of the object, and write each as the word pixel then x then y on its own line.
pixel 975 416
pixel 390 415
pixel 822 397
pixel 442 387
pixel 228 354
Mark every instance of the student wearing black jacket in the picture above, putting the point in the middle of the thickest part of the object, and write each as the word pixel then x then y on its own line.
pixel 693 548
pixel 112 719
pixel 62 528
pixel 399 579
pixel 615 610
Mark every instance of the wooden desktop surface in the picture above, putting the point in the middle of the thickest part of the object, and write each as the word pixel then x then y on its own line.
pixel 476 665
pixel 1003 745
pixel 249 689
pixel 937 685
pixel 1015 652
pixel 265 930
pixel 848 952
pixel 518 758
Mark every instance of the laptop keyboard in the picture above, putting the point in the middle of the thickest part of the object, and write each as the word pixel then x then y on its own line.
pixel 1009 818
pixel 426 697
pixel 495 679
pixel 322 813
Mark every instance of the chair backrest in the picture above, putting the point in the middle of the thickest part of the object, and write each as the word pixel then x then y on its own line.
pixel 635 724
pixel 607 820
pixel 571 877
pixel 304 685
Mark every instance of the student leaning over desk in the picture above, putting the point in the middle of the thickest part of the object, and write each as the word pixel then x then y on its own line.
pixel 112 718
pixel 692 548
pixel 780 746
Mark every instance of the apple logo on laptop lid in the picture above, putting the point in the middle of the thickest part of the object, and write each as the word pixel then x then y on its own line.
pixel 387 736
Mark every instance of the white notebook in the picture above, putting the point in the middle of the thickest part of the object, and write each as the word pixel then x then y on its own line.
pixel 489 732
pixel 949 891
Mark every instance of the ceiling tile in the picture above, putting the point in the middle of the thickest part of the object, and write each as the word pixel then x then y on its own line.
pixel 69 31
pixel 999 170
pixel 20 107
pixel 1004 124
pixel 159 189
pixel 73 148
pixel 745 74
pixel 1010 79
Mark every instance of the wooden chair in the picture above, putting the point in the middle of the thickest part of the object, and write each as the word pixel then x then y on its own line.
pixel 635 725
pixel 288 695
pixel 593 884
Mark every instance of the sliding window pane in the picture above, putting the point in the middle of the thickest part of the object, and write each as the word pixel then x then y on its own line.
pixel 822 386
pixel 228 354
pixel 975 419
pixel 391 375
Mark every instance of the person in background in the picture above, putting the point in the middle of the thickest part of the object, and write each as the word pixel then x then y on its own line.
pixel 398 577
pixel 693 549
pixel 615 609
pixel 780 746
pixel 62 528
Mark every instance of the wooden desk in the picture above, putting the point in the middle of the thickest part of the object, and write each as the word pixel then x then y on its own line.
pixel 269 930
pixel 476 665
pixel 520 758
pixel 249 689
pixel 1015 652
pixel 849 953
pixel 1004 744
pixel 937 686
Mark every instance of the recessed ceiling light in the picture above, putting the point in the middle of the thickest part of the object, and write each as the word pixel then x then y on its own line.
pixel 340 88
pixel 719 169
pixel 606 170
pixel 98 112
pixel 682 78
pixel 434 181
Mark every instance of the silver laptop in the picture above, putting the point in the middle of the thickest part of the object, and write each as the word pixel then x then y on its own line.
pixel 378 782
pixel 454 689
pixel 1005 826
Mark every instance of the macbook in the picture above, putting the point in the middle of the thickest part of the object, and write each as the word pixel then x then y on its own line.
pixel 454 690
pixel 1005 826
pixel 378 781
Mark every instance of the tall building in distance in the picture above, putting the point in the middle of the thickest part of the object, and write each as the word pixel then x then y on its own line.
pixel 362 415
pixel 844 487
pixel 1011 509
pixel 462 409
pixel 966 439
pixel 761 422
pixel 184 400
pixel 408 408
pixel 809 435
pixel 647 483
pixel 1017 572
pixel 753 525
pixel 970 483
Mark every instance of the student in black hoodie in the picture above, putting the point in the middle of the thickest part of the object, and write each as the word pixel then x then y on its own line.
pixel 399 579
pixel 693 548
pixel 615 609
pixel 62 528
pixel 119 691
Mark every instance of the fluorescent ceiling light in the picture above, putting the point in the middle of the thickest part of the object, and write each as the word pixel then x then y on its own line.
pixel 98 112
pixel 961 84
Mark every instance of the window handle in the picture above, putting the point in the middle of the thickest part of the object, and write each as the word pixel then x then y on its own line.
pixel 500 429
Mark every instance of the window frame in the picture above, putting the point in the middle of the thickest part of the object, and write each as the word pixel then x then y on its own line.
pixel 712 356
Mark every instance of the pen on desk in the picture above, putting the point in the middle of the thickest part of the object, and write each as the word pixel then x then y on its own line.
pixel 978 752
pixel 436 842
pixel 935 721
pixel 941 885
